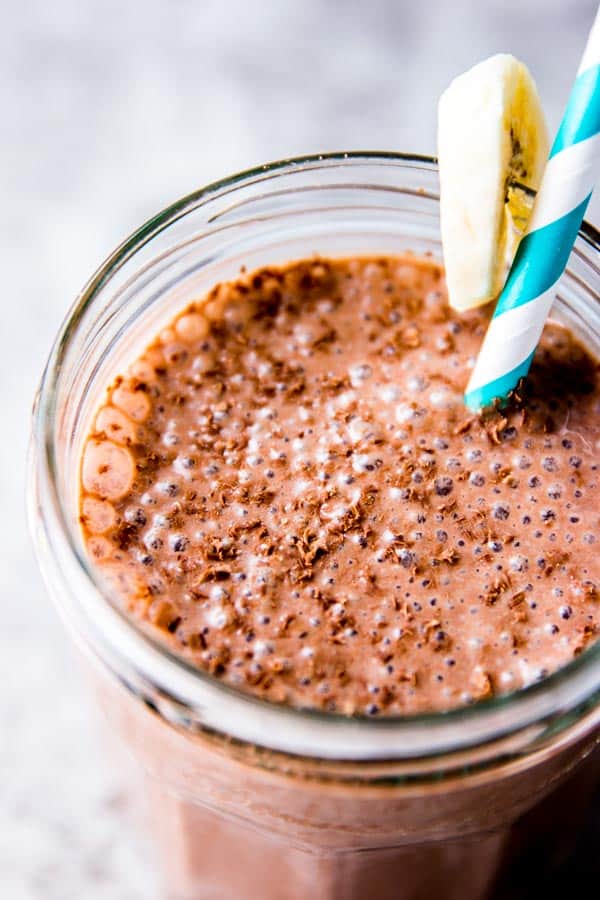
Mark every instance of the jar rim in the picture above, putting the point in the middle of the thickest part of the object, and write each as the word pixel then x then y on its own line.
pixel 491 715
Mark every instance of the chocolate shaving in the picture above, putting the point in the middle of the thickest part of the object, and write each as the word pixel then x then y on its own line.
pixel 464 426
pixel 246 525
pixel 449 555
pixel 493 426
pixel 125 535
pixel 480 684
pixel 219 549
pixel 554 560
pixel 409 337
pixel 328 336
pixel 495 591
pixel 214 573
pixel 588 634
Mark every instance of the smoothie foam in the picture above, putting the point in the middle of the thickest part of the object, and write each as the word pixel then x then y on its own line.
pixel 288 488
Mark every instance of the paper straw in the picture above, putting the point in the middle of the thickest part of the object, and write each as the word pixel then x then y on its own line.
pixel 571 172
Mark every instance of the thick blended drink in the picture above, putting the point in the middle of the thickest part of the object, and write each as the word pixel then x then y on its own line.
pixel 289 488
pixel 353 625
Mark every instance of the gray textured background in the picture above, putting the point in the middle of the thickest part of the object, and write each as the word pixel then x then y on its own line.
pixel 109 110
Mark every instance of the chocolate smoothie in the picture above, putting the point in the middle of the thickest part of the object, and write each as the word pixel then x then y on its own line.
pixel 288 488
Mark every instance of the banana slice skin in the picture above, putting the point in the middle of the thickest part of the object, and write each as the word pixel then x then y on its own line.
pixel 491 133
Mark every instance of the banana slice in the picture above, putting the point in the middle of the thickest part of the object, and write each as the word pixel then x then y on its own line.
pixel 491 133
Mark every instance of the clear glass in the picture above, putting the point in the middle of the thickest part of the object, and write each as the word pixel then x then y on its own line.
pixel 253 799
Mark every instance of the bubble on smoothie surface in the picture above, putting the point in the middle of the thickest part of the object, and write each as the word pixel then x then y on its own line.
pixel 191 327
pixel 99 516
pixel 107 470
pixel 115 425
pixel 288 489
pixel 132 400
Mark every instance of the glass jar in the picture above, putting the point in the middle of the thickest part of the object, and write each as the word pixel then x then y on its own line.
pixel 251 799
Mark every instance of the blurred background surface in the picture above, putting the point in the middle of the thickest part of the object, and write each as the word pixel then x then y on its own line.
pixel 110 110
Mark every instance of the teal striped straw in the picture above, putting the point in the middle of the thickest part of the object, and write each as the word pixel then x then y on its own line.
pixel 571 172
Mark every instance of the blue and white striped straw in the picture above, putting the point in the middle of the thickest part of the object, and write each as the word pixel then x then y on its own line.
pixel 571 172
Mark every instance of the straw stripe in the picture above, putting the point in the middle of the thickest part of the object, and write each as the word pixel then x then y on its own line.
pixel 540 260
pixel 577 160
pixel 564 194
pixel 514 334
pixel 479 397
pixel 584 120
